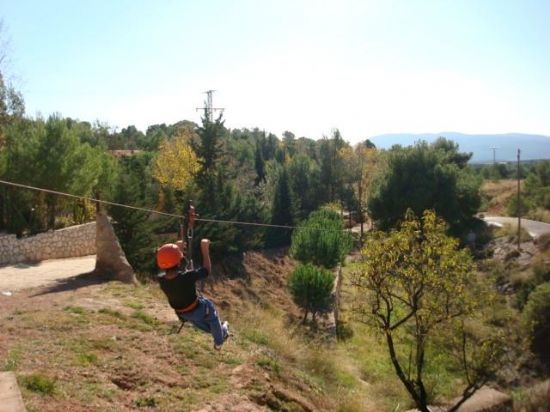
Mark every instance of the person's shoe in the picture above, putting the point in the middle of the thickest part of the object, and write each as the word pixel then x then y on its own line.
pixel 225 327
pixel 218 347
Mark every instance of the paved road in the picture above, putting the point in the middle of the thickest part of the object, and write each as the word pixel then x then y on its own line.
pixel 534 228
pixel 46 273
pixel 10 395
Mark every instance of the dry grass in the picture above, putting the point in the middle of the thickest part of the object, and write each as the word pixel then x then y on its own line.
pixel 534 399
pixel 511 232
pixel 543 242
pixel 496 194
pixel 540 214
pixel 110 347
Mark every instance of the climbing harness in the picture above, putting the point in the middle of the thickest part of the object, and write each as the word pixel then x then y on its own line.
pixel 186 236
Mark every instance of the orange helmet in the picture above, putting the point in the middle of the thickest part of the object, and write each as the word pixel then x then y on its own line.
pixel 169 256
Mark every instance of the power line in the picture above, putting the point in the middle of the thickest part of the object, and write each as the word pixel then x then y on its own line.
pixel 91 199
pixel 105 202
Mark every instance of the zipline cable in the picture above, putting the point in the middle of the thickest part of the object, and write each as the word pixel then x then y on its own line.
pixel 106 202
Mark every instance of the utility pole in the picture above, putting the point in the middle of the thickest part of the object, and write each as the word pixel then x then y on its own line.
pixel 209 109
pixel 519 207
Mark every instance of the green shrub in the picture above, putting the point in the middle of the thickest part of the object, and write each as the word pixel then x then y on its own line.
pixel 522 294
pixel 541 274
pixel 321 240
pixel 512 206
pixel 311 288
pixel 344 331
pixel 146 318
pixel 146 403
pixel 38 383
pixel 541 271
pixel 536 316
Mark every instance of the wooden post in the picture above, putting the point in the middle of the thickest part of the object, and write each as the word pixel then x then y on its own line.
pixel 519 206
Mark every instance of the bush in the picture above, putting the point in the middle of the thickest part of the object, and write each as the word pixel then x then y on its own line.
pixel 523 292
pixel 311 288
pixel 541 274
pixel 321 240
pixel 512 206
pixel 39 383
pixel 536 316
pixel 541 271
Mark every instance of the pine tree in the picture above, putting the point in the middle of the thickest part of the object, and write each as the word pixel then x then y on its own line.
pixel 259 165
pixel 133 228
pixel 311 287
pixel 209 145
pixel 282 213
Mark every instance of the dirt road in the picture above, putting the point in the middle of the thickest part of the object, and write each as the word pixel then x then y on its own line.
pixel 534 228
pixel 26 275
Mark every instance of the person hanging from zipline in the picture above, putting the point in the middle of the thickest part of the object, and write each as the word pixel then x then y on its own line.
pixel 180 288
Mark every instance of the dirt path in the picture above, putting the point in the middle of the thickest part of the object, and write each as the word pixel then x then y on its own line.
pixel 47 273
pixel 534 228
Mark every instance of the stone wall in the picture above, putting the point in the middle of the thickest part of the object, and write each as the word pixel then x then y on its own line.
pixel 69 242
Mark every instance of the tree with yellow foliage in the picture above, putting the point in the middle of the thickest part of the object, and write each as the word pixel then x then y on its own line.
pixel 360 164
pixel 420 292
pixel 176 164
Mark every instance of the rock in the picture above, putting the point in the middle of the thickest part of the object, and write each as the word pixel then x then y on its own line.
pixel 484 400
pixel 487 400
pixel 111 261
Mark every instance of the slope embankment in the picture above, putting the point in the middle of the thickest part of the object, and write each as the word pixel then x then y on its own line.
pixel 81 344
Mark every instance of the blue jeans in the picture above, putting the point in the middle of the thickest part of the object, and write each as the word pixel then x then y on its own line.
pixel 205 317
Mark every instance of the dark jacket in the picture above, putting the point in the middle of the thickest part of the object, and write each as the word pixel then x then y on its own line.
pixel 181 291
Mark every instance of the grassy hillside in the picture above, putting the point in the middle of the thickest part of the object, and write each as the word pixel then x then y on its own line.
pixel 91 346
pixel 86 345
pixel 496 194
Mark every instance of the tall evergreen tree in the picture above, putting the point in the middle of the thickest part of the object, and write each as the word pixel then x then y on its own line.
pixel 303 176
pixel 259 165
pixel 134 229
pixel 332 168
pixel 282 213
pixel 209 145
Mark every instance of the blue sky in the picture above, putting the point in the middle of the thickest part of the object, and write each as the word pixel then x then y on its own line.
pixel 365 67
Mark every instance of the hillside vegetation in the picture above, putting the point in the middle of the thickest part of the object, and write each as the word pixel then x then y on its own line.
pixel 106 346
pixel 496 194
pixel 109 346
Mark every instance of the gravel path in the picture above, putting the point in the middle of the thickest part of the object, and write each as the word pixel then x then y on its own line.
pixel 46 273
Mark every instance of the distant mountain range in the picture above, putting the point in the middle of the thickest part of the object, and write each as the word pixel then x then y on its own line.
pixel 533 147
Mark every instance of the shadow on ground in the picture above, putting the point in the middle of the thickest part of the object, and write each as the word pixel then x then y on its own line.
pixel 25 265
pixel 73 283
